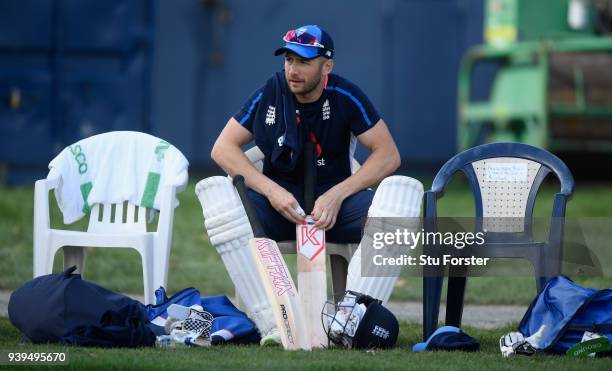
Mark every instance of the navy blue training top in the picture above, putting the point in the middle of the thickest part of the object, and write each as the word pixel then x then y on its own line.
pixel 341 113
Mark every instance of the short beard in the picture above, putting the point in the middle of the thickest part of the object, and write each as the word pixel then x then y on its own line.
pixel 312 86
pixel 309 88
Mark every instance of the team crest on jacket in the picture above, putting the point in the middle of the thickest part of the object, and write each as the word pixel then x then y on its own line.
pixel 271 115
pixel 326 111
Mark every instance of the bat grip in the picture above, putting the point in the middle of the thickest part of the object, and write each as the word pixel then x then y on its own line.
pixel 309 177
pixel 258 230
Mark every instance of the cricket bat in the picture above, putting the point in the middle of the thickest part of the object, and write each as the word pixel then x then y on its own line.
pixel 278 284
pixel 312 274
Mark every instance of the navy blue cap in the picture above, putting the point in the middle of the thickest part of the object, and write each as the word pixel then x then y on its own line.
pixel 448 338
pixel 322 43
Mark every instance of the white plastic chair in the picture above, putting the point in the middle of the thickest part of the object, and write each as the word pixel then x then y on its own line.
pixel 339 254
pixel 106 230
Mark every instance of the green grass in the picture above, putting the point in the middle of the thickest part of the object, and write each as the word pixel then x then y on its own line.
pixel 194 262
pixel 255 357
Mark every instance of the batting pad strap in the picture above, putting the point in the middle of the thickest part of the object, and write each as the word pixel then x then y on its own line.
pixel 230 225
pixel 216 193
pixel 222 214
pixel 397 196
pixel 390 224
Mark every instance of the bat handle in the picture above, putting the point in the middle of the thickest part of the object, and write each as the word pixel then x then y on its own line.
pixel 309 177
pixel 258 230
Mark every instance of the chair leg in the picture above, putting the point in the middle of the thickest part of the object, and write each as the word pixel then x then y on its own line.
pixel 147 276
pixel 432 291
pixel 454 300
pixel 540 275
pixel 339 268
pixel 545 266
pixel 41 261
pixel 161 261
pixel 160 273
pixel 74 255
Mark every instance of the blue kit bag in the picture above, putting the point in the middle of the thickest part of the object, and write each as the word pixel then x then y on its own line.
pixel 229 325
pixel 567 310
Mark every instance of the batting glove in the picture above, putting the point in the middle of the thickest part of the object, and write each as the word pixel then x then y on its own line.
pixel 514 343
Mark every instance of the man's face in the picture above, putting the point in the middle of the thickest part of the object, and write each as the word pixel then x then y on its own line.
pixel 303 75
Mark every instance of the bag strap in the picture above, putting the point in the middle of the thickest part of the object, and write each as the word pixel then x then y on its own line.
pixel 69 271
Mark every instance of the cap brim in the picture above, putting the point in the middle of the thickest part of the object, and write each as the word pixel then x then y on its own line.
pixel 420 347
pixel 308 52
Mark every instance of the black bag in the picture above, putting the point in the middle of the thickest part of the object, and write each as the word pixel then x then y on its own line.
pixel 63 308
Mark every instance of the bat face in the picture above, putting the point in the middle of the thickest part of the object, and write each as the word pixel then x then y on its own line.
pixel 281 292
pixel 312 278
pixel 277 271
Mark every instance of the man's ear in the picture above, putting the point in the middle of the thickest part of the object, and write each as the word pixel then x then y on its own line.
pixel 328 66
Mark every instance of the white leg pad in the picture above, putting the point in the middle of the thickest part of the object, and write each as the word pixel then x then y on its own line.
pixel 229 231
pixel 396 196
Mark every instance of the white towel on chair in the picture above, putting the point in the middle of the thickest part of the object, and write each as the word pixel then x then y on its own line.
pixel 115 167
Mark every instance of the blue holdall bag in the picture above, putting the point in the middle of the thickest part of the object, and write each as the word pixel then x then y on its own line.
pixel 229 325
pixel 563 311
pixel 63 308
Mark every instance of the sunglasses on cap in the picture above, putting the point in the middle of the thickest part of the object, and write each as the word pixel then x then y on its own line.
pixel 304 38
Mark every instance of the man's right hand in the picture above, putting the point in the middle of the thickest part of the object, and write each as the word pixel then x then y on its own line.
pixel 284 202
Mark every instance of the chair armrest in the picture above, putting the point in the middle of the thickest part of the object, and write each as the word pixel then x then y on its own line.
pixel 181 181
pixel 430 199
pixel 254 154
pixel 41 202
pixel 166 207
pixel 51 182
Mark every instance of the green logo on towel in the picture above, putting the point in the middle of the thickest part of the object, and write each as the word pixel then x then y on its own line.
pixel 161 149
pixel 85 189
pixel 151 187
pixel 79 157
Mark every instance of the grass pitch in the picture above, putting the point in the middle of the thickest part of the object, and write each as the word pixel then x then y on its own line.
pixel 194 262
pixel 256 358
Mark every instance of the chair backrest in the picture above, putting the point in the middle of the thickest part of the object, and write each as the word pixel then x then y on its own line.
pixel 505 179
pixel 122 217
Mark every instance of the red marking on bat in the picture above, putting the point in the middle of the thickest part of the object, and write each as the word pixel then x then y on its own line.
pixel 310 244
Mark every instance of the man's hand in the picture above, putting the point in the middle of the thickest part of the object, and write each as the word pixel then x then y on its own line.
pixel 326 208
pixel 284 202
